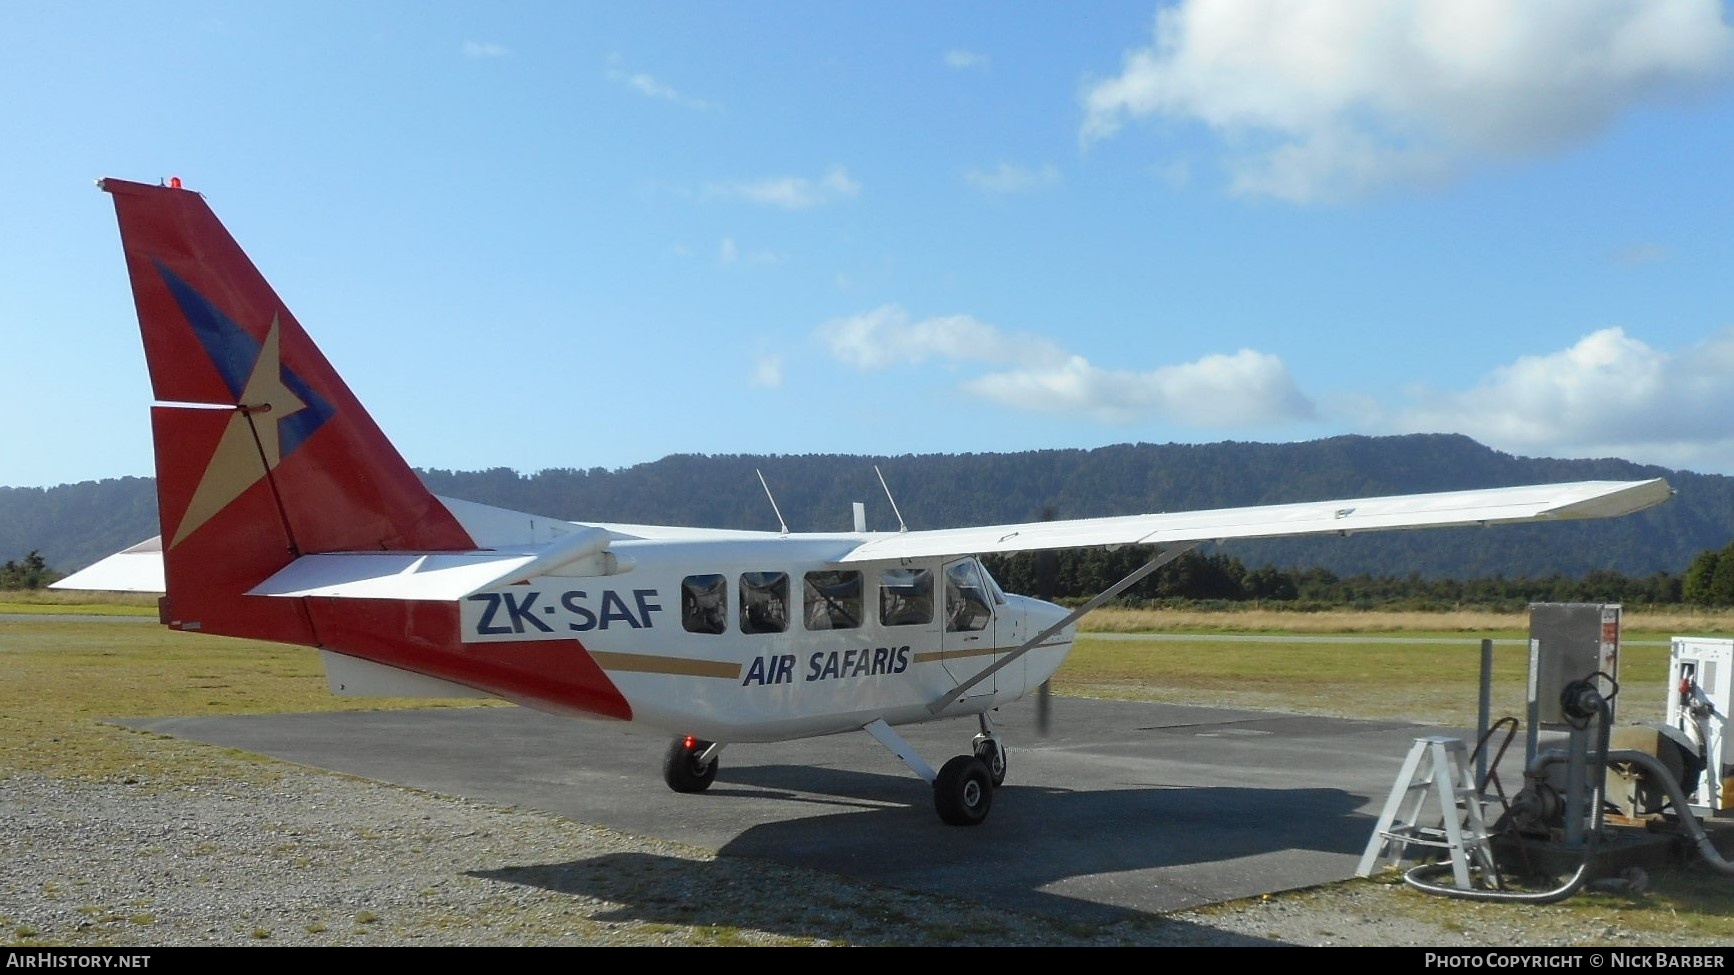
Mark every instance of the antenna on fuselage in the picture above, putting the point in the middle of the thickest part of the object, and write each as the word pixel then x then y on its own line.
pixel 780 522
pixel 900 525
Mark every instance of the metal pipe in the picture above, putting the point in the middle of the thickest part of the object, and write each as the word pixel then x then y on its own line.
pixel 1484 712
pixel 1682 806
pixel 1532 729
pixel 1420 877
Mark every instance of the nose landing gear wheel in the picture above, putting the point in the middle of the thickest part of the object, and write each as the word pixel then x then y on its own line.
pixel 963 793
pixel 681 768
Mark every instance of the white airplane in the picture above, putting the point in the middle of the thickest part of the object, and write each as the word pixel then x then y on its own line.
pixel 287 516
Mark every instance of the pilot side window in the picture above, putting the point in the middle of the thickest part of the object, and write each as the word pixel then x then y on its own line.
pixel 833 600
pixel 966 598
pixel 764 602
pixel 905 596
pixel 704 604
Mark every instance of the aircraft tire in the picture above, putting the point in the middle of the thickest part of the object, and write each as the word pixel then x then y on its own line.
pixel 994 758
pixel 963 792
pixel 680 768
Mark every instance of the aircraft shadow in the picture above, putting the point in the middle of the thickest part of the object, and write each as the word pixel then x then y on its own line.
pixel 1041 840
pixel 639 884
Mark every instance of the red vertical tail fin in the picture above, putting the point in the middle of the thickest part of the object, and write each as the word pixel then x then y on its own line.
pixel 263 453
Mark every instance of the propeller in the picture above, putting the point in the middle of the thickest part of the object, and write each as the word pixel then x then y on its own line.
pixel 1047 574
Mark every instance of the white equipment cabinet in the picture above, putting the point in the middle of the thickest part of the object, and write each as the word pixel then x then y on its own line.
pixel 1700 692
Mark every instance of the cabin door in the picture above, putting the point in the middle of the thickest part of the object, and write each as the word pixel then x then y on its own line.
pixel 967 641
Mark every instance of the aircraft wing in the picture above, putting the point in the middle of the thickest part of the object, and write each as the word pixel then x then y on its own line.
pixel 584 550
pixel 1490 506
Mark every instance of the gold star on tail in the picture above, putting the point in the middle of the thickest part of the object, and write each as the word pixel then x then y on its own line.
pixel 250 446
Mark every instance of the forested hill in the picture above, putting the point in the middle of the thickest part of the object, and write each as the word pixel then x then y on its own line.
pixel 73 525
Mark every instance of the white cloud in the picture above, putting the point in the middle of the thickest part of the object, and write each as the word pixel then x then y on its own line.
pixel 1176 174
pixel 963 60
pixel 837 181
pixel 768 371
pixel 1009 178
pixel 1326 99
pixel 887 336
pixel 648 86
pixel 729 253
pixel 792 192
pixel 482 49
pixel 1608 395
pixel 1218 392
pixel 1245 389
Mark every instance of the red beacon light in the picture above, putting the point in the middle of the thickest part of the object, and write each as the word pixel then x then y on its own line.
pixel 174 182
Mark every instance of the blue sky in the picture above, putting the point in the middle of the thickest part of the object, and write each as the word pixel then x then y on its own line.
pixel 539 235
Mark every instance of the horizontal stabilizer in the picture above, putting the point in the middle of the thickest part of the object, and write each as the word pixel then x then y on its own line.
pixel 137 569
pixel 392 575
pixel 438 576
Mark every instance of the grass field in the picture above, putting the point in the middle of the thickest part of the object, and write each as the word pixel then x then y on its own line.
pixel 63 676
pixel 82 603
pixel 1427 669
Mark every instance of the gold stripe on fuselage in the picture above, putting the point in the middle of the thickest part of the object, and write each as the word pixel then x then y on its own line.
pixel 642 663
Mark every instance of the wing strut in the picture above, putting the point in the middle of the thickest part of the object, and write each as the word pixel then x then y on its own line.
pixel 1162 558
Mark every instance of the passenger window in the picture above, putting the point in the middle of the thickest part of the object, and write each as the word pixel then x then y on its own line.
pixel 966 599
pixel 764 602
pixel 905 597
pixel 704 604
pixel 833 600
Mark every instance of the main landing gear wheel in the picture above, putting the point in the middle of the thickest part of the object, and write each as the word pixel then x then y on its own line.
pixel 963 793
pixel 993 756
pixel 681 767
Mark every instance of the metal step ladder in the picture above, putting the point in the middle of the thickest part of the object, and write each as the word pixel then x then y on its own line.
pixel 1437 769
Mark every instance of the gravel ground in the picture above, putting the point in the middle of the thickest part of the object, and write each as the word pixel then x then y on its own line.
pixel 302 857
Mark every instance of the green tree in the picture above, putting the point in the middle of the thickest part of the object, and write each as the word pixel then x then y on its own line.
pixel 1271 583
pixel 1696 589
pixel 32 573
pixel 1721 590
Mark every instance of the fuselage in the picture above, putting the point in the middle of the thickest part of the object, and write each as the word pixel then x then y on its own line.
pixel 761 637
